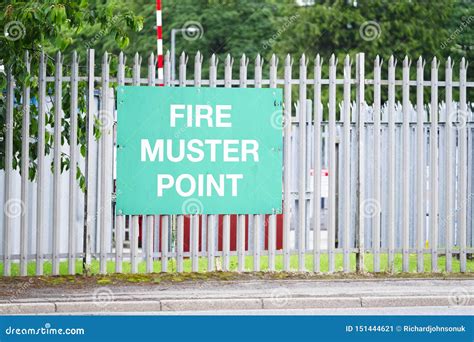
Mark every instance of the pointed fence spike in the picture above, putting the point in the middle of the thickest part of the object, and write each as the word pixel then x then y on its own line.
pixel 317 60
pixel 419 62
pixel 273 60
pixel 377 61
pixel 406 62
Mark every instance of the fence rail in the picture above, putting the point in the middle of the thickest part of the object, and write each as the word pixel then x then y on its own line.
pixel 396 192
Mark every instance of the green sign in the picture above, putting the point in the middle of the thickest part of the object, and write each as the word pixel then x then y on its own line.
pixel 199 150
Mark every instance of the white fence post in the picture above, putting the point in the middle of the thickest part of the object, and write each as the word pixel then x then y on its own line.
pixel 107 125
pixel 434 166
pixel 120 218
pixel 346 186
pixel 9 202
pixel 272 221
pixel 449 200
pixel 287 198
pixel 318 117
pixel 58 115
pixel 376 166
pixel 462 165
pixel 332 165
pixel 25 160
pixel 135 219
pixel 73 165
pixel 40 194
pixel 241 219
pixel 420 167
pixel 257 219
pixel 229 61
pixel 89 218
pixel 391 164
pixel 302 166
pixel 406 191
pixel 360 128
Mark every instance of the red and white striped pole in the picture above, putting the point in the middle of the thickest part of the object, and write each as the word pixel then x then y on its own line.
pixel 159 42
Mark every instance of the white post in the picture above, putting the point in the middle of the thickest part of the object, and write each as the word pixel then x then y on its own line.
pixel 346 187
pixel 420 167
pixel 377 164
pixel 57 163
pixel 72 165
pixel 287 165
pixel 302 166
pixel 25 160
pixel 317 166
pixel 406 191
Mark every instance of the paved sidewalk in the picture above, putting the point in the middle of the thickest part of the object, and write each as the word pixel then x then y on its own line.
pixel 242 295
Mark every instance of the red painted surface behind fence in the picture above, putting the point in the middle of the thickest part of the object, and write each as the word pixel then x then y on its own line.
pixel 233 232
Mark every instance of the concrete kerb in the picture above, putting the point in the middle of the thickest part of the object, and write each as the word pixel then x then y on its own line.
pixel 27 308
pixel 212 304
pixel 373 302
pixel 216 304
pixel 112 306
pixel 312 303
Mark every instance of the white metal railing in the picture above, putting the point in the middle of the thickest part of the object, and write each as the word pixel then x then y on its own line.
pixel 401 177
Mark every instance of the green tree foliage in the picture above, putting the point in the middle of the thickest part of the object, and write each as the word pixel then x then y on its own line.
pixel 234 27
pixel 50 25
pixel 460 42
pixel 377 27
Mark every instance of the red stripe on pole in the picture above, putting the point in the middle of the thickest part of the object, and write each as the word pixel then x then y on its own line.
pixel 160 61
pixel 159 36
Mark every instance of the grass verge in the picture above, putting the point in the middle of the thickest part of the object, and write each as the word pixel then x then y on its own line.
pixel 94 268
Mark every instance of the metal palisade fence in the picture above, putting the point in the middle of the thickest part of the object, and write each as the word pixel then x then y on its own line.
pixel 386 186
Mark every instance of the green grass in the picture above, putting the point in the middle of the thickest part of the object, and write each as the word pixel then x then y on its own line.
pixel 94 269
